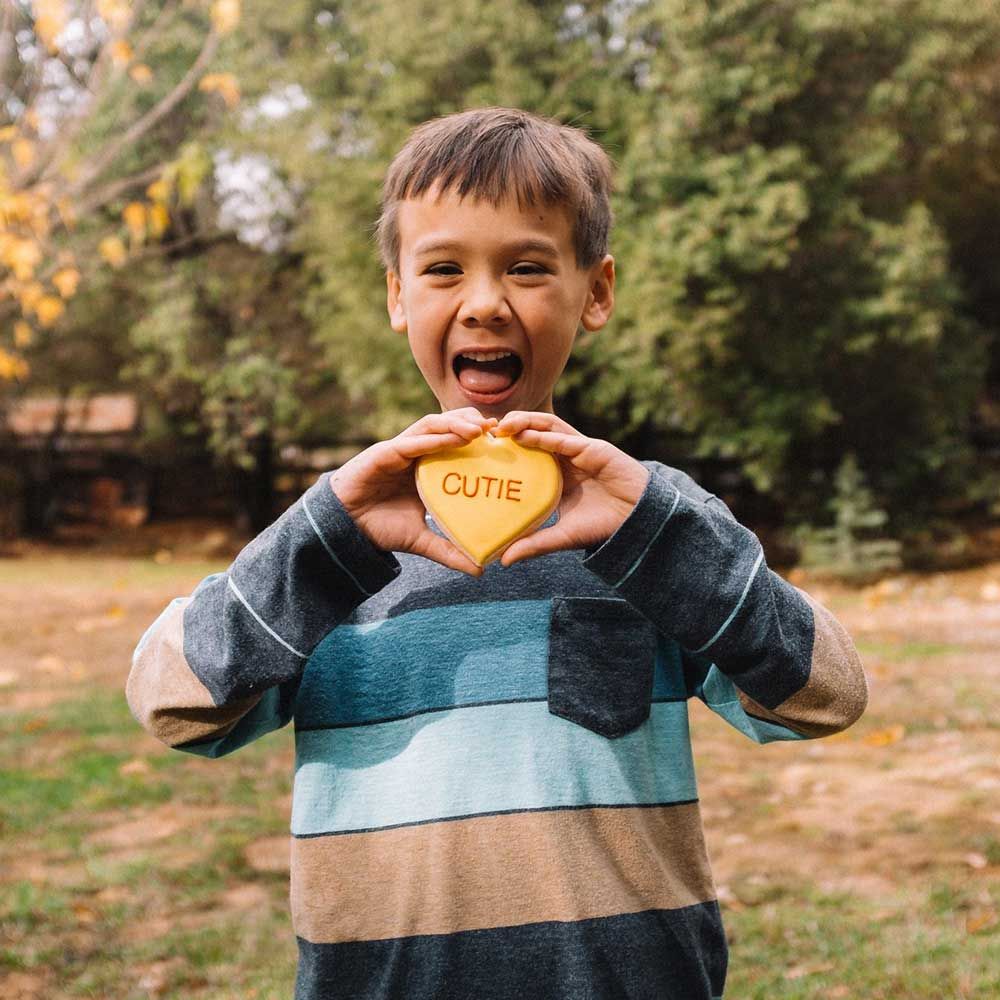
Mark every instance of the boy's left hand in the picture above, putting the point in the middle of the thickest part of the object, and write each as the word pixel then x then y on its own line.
pixel 601 484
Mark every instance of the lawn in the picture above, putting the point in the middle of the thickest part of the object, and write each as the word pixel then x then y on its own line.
pixel 865 865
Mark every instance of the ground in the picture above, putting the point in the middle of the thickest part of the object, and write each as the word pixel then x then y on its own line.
pixel 864 865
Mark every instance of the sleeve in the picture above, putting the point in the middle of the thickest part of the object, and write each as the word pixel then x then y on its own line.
pixel 757 650
pixel 222 667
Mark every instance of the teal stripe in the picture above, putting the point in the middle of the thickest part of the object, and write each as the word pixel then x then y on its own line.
pixel 722 697
pixel 438 658
pixel 478 760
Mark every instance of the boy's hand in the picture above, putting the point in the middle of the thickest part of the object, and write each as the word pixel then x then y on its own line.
pixel 601 484
pixel 378 489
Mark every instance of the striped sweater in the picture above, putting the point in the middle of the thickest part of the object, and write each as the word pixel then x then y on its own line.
pixel 494 792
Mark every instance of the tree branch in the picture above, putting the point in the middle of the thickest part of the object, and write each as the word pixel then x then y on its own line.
pixel 107 157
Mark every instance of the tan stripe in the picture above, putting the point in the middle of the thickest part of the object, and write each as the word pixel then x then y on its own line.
pixel 836 694
pixel 167 697
pixel 498 871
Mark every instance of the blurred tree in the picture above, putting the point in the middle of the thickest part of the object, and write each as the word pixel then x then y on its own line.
pixel 791 294
pixel 95 102
pixel 806 198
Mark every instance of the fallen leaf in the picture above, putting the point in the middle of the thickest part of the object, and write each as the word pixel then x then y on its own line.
pixel 885 737
pixel 980 920
pixel 798 971
pixel 135 766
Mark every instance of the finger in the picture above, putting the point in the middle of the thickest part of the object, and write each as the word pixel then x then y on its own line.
pixel 426 444
pixel 519 420
pixel 572 446
pixel 450 419
pixel 538 543
pixel 442 551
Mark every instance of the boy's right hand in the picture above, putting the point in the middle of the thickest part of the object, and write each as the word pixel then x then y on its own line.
pixel 378 488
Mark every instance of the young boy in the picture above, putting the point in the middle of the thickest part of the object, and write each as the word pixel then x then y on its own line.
pixel 494 793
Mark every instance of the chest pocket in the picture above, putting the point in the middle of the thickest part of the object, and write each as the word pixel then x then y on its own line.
pixel 601 658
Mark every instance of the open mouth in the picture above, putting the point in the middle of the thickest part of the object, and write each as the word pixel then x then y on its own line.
pixel 486 377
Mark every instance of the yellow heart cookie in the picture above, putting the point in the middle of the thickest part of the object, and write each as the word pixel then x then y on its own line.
pixel 488 493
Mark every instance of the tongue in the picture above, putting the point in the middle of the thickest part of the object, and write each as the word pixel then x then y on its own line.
pixel 486 376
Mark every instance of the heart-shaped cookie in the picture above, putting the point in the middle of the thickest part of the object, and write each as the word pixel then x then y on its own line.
pixel 488 493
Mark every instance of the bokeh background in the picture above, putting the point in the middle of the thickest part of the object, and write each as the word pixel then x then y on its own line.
pixel 193 327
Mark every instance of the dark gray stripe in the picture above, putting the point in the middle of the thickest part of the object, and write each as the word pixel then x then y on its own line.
pixel 654 955
pixel 694 576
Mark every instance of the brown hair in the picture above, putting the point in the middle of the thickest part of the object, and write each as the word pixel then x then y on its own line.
pixel 494 152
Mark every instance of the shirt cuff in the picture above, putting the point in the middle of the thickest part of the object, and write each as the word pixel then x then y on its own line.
pixel 614 559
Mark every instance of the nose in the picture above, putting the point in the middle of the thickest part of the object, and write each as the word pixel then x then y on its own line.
pixel 484 304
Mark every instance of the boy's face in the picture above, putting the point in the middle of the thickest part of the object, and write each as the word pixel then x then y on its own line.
pixel 474 276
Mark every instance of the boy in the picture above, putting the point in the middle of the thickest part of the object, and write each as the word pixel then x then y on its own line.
pixel 494 793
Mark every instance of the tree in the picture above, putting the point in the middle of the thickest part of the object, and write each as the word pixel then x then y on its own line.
pixel 96 96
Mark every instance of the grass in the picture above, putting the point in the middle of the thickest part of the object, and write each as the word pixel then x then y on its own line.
pixel 126 873
pixel 813 946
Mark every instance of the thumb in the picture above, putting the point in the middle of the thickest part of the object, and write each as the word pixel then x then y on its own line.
pixel 538 543
pixel 441 550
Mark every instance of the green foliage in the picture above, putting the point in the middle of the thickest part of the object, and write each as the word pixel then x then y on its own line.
pixel 806 208
pixel 853 547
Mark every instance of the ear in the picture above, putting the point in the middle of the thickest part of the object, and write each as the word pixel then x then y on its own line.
pixel 394 302
pixel 600 296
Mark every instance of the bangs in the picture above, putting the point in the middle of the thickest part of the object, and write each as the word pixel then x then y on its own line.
pixel 495 154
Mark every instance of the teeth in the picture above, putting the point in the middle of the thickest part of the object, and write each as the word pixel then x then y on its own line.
pixel 485 355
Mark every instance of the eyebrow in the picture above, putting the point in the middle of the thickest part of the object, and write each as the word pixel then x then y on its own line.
pixel 544 247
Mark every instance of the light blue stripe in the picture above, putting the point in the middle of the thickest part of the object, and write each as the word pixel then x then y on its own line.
pixel 478 760
pixel 721 695
pixel 263 624
pixel 330 552
pixel 653 539
pixel 739 604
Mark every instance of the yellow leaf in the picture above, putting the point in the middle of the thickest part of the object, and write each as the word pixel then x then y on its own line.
pixel 22 256
pixel 159 218
pixel 134 215
pixel 225 84
pixel 121 51
pixel 225 15
pixel 23 151
pixel 66 212
pixel 885 737
pixel 49 309
pixel 66 280
pixel 114 13
pixel 12 366
pixel 29 295
pixel 50 20
pixel 158 190
pixel 8 132
pixel 24 336
pixel 141 73
pixel 113 251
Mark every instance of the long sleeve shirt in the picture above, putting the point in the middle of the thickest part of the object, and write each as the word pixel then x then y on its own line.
pixel 494 791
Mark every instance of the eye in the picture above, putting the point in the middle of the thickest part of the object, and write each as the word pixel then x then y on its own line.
pixel 526 268
pixel 444 270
